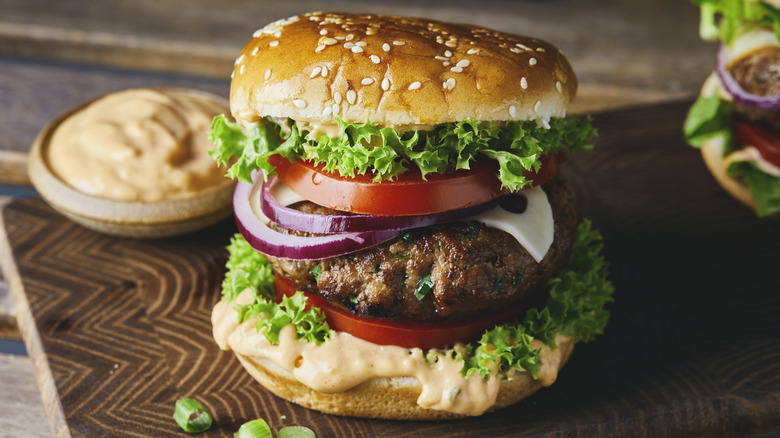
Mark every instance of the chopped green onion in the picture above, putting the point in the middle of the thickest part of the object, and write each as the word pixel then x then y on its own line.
pixel 424 287
pixel 316 270
pixel 192 416
pixel 295 432
pixel 254 429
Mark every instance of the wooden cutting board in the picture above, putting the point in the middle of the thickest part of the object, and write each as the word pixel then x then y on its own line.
pixel 119 329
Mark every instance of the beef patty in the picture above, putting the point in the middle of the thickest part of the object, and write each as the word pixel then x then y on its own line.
pixel 472 268
pixel 759 73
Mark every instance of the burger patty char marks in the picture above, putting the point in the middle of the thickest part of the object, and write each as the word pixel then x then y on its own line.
pixel 759 73
pixel 472 268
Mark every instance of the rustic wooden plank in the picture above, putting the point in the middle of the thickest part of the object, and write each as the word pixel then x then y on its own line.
pixel 691 350
pixel 21 405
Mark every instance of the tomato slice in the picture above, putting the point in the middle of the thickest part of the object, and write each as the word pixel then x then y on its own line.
pixel 407 194
pixel 766 141
pixel 403 333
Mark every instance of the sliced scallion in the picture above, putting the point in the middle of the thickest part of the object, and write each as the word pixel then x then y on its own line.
pixel 192 416
pixel 295 432
pixel 254 429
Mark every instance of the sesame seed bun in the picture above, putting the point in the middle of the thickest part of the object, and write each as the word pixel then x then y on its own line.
pixel 396 71
pixel 390 398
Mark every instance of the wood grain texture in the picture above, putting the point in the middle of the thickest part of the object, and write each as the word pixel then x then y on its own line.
pixel 120 328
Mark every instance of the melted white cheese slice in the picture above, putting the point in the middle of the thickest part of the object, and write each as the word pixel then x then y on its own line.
pixel 532 228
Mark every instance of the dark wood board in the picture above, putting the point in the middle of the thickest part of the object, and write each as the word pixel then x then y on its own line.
pixel 119 329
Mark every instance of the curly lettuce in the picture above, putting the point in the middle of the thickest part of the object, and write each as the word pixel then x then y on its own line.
pixel 724 20
pixel 578 294
pixel 386 153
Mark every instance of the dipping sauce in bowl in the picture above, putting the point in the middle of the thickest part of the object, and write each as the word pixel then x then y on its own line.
pixel 135 163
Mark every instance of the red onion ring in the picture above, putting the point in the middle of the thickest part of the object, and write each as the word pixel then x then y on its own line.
pixel 275 244
pixel 732 86
pixel 331 224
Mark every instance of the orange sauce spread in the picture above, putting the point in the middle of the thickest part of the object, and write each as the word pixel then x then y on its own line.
pixel 139 145
pixel 344 361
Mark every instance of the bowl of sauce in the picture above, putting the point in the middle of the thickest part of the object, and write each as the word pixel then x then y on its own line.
pixel 134 163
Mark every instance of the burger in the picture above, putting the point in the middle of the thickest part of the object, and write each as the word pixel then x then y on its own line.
pixel 736 120
pixel 407 249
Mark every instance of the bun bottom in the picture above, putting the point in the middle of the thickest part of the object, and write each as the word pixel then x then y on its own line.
pixel 387 398
pixel 712 153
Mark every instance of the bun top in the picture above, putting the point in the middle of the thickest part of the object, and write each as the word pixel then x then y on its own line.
pixel 396 71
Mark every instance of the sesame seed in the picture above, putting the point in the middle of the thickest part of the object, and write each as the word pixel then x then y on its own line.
pixel 398 43
pixel 337 98
pixel 273 43
pixel 457 69
pixel 446 63
pixel 367 81
pixel 350 37
pixel 375 59
pixel 385 84
pixel 537 105
pixel 473 51
pixel 441 58
pixel 523 46
pixel 317 70
pixel 361 43
pixel 267 74
pixel 451 83
pixel 512 111
pixel 451 43
pixel 523 83
pixel 370 31
pixel 324 32
pixel 349 45
pixel 558 86
pixel 448 54
pixel 327 111
pixel 351 97
pixel 515 50
pixel 324 71
pixel 540 49
pixel 340 37
pixel 257 33
pixel 319 48
pixel 532 61
pixel 336 109
pixel 386 47
pixel 415 85
pixel 232 74
pixel 255 50
pixel 241 70
pixel 300 103
pixel 357 49
pixel 463 63
pixel 329 41
pixel 278 34
pixel 238 60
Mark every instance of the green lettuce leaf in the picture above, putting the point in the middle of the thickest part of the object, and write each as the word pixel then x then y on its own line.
pixel 724 20
pixel 578 295
pixel 386 153
pixel 709 117
pixel 247 268
pixel 764 187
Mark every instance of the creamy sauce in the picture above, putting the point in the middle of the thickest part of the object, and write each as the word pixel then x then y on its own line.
pixel 344 361
pixel 138 145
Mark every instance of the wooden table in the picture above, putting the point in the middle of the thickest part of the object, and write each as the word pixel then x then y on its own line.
pixel 54 55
